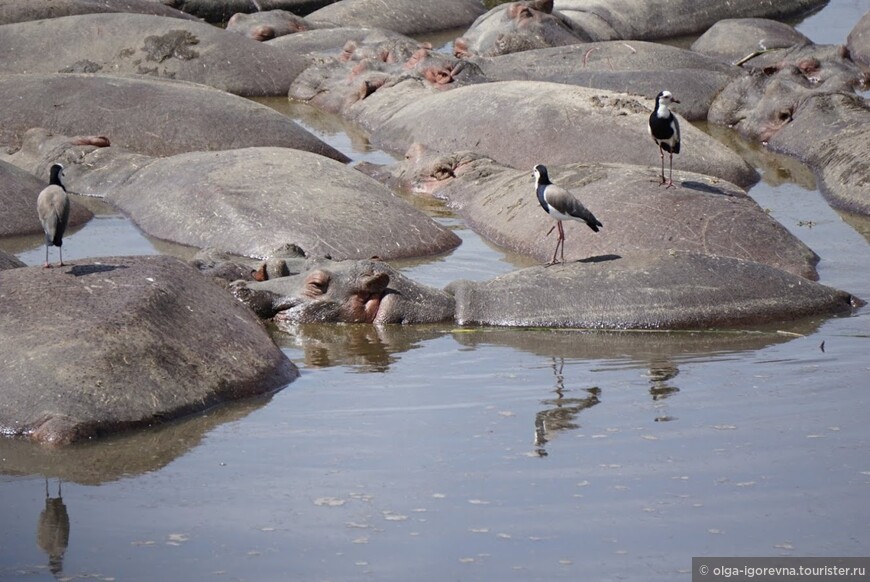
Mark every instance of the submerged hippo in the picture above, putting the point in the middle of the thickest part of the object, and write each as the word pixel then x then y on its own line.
pixel 134 341
pixel 263 26
pixel 704 215
pixel 347 292
pixel 529 24
pixel 638 291
pixel 154 46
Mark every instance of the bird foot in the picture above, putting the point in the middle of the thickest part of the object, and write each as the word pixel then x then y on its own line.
pixel 46 266
pixel 670 184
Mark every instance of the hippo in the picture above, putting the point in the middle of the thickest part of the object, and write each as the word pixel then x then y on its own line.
pixel 8 261
pixel 519 26
pixel 263 26
pixel 705 216
pixel 636 67
pixel 675 290
pixel 140 44
pixel 78 104
pixel 529 24
pixel 134 341
pixel 321 43
pixel 411 17
pixel 347 292
pixel 493 119
pixel 18 192
pixel 219 11
pixel 12 11
pixel 736 40
pixel 252 200
pixel 643 290
pixel 781 105
pixel 377 63
pixel 858 42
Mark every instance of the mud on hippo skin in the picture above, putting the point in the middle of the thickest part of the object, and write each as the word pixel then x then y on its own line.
pixel 363 68
pixel 324 291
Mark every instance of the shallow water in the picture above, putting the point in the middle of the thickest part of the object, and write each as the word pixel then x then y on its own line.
pixel 437 452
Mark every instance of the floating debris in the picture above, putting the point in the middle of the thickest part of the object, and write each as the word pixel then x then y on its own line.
pixel 329 501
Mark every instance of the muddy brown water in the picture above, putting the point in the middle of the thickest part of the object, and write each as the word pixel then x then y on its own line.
pixel 442 453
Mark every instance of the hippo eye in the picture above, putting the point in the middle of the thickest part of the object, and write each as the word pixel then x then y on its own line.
pixel 317 283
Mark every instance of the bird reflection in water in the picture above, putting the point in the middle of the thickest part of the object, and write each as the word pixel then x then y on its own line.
pixel 562 412
pixel 660 374
pixel 52 533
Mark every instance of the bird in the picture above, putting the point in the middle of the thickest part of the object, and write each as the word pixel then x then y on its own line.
pixel 561 205
pixel 665 131
pixel 52 206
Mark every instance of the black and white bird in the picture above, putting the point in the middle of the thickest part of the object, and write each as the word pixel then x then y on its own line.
pixel 561 205
pixel 52 205
pixel 665 130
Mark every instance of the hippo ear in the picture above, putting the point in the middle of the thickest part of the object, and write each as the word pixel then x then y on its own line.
pixel 316 283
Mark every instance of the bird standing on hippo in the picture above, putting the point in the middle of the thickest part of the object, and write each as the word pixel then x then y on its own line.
pixel 52 205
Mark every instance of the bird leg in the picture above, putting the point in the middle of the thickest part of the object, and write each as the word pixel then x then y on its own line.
pixel 671 172
pixel 560 241
pixel 60 253
pixel 46 265
pixel 662 154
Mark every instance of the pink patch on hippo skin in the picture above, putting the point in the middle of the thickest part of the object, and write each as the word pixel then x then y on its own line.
pixel 99 141
pixel 460 48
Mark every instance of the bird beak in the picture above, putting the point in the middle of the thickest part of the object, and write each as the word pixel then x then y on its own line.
pixel 674 100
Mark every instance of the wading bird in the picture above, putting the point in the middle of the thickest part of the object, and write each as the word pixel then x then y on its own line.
pixel 561 205
pixel 665 131
pixel 52 205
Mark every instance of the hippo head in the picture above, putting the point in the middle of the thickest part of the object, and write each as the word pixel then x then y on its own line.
pixel 345 292
pixel 780 83
pixel 518 26
pixel 424 171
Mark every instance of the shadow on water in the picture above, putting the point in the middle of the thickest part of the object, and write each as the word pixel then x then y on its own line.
pixel 117 457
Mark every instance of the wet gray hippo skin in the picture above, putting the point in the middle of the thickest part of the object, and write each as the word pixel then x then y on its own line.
pixel 150 322
pixel 18 192
pixel 703 215
pixel 12 11
pixel 858 42
pixel 348 292
pixel 263 26
pixel 673 290
pixel 75 104
pixel 537 23
pixel 662 291
pixel 138 44
pixel 403 16
pixel 252 200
